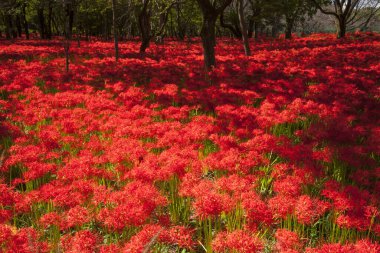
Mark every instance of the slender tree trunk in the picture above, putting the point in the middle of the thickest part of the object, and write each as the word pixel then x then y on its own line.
pixel 180 26
pixel 208 38
pixel 251 24
pixel 289 28
pixel 163 20
pixel 71 19
pixel 341 27
pixel 257 32
pixel 144 25
pixel 56 28
pixel 41 20
pixel 13 28
pixel 8 29
pixel 275 26
pixel 49 21
pixel 115 30
pixel 243 28
pixel 25 22
pixel 18 25
pixel 68 7
pixel 210 14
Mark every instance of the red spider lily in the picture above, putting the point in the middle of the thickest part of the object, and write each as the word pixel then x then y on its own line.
pixel 336 247
pixel 287 241
pixel 24 241
pixel 367 246
pixel 82 241
pixel 308 210
pixel 178 235
pixel 211 204
pixel 51 219
pixel 77 216
pixel 257 210
pixel 144 239
pixel 238 241
pixel 110 248
pixel 118 148
pixel 290 185
pixel 282 205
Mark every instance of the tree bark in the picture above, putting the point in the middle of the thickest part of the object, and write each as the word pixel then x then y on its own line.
pixel 162 20
pixel 68 7
pixel 8 29
pixel 289 28
pixel 25 22
pixel 71 19
pixel 251 24
pixel 18 25
pixel 243 28
pixel 41 20
pixel 210 14
pixel 49 21
pixel 144 25
pixel 57 28
pixel 181 27
pixel 257 28
pixel 208 39
pixel 12 26
pixel 115 35
pixel 274 31
pixel 341 28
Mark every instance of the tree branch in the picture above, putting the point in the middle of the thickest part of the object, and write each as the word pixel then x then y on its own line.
pixel 319 7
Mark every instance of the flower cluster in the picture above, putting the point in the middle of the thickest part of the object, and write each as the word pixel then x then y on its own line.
pixel 276 151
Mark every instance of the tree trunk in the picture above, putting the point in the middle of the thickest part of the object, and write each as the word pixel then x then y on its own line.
pixel 251 25
pixel 210 14
pixel 257 30
pixel 49 21
pixel 115 31
pixel 41 20
pixel 12 26
pixel 243 28
pixel 56 27
pixel 71 20
pixel 208 38
pixel 275 26
pixel 160 35
pixel 68 10
pixel 144 25
pixel 25 22
pixel 289 28
pixel 341 27
pixel 8 29
pixel 18 25
pixel 180 26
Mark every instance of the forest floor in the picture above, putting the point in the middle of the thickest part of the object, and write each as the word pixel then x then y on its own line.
pixel 276 152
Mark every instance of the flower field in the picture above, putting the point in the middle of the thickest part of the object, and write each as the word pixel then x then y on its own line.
pixel 276 152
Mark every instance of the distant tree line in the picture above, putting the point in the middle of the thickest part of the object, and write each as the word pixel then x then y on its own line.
pixel 152 20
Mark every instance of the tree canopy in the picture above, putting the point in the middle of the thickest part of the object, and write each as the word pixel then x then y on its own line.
pixel 155 19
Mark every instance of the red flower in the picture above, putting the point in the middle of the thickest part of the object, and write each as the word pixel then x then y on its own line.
pixel 286 241
pixel 238 241
pixel 308 210
pixel 212 204
pixel 83 241
pixel 77 216
pixel 139 242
